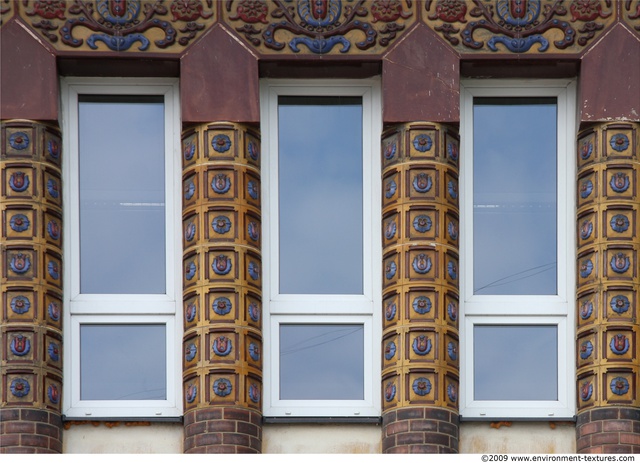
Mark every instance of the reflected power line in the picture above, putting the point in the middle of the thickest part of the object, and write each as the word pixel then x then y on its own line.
pixel 511 278
pixel 293 348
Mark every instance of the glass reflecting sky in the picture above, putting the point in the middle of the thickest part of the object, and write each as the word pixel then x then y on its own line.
pixel 321 362
pixel 514 196
pixel 320 195
pixel 122 194
pixel 123 362
pixel 515 362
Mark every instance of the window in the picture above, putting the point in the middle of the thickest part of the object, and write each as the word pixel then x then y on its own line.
pixel 322 253
pixel 518 250
pixel 122 248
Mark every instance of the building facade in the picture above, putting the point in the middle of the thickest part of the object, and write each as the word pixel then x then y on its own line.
pixel 289 226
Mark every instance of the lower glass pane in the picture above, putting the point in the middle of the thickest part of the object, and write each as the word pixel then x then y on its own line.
pixel 123 362
pixel 515 362
pixel 321 362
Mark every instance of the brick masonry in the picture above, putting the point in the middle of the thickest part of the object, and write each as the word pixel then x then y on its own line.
pixel 24 430
pixel 420 430
pixel 609 430
pixel 222 430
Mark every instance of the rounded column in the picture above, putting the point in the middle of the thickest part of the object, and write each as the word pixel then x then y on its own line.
pixel 608 289
pixel 222 363
pixel 31 288
pixel 420 369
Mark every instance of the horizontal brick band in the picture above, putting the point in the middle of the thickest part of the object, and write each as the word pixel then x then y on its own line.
pixel 25 430
pixel 609 430
pixel 420 430
pixel 222 430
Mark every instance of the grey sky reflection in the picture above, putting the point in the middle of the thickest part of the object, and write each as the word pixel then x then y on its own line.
pixel 122 362
pixel 320 196
pixel 122 194
pixel 321 362
pixel 514 213
pixel 515 363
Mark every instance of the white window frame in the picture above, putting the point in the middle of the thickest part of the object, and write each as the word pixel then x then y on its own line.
pixel 323 309
pixel 125 309
pixel 528 310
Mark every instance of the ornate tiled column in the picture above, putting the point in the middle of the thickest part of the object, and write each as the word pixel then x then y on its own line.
pixel 608 289
pixel 222 364
pixel 420 367
pixel 31 253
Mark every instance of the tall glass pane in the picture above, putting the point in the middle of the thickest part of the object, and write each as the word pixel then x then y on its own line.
pixel 515 362
pixel 321 362
pixel 122 195
pixel 514 196
pixel 320 195
pixel 123 362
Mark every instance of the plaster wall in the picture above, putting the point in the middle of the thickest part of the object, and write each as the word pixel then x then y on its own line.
pixel 518 437
pixel 296 438
pixel 152 438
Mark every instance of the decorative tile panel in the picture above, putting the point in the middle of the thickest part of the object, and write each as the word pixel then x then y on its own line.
pixel 18 224
pixel 222 344
pixel 422 304
pixel 20 388
pixel 608 268
pixel 52 392
pixel 619 386
pixel 621 304
pixel 420 264
pixel 20 347
pixel 192 351
pixel 222 224
pixel 52 309
pixel 222 347
pixel 423 386
pixel 252 315
pixel 191 391
pixel 30 264
pixel 223 306
pixel 620 223
pixel 252 385
pixel 222 388
pixel 588 308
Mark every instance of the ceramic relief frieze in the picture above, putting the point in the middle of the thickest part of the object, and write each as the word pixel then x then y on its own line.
pixel 320 27
pixel 631 14
pixel 520 26
pixel 6 10
pixel 119 25
pixel 327 27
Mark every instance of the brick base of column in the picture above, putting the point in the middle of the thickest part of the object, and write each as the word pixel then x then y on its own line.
pixel 222 430
pixel 420 430
pixel 25 430
pixel 608 430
